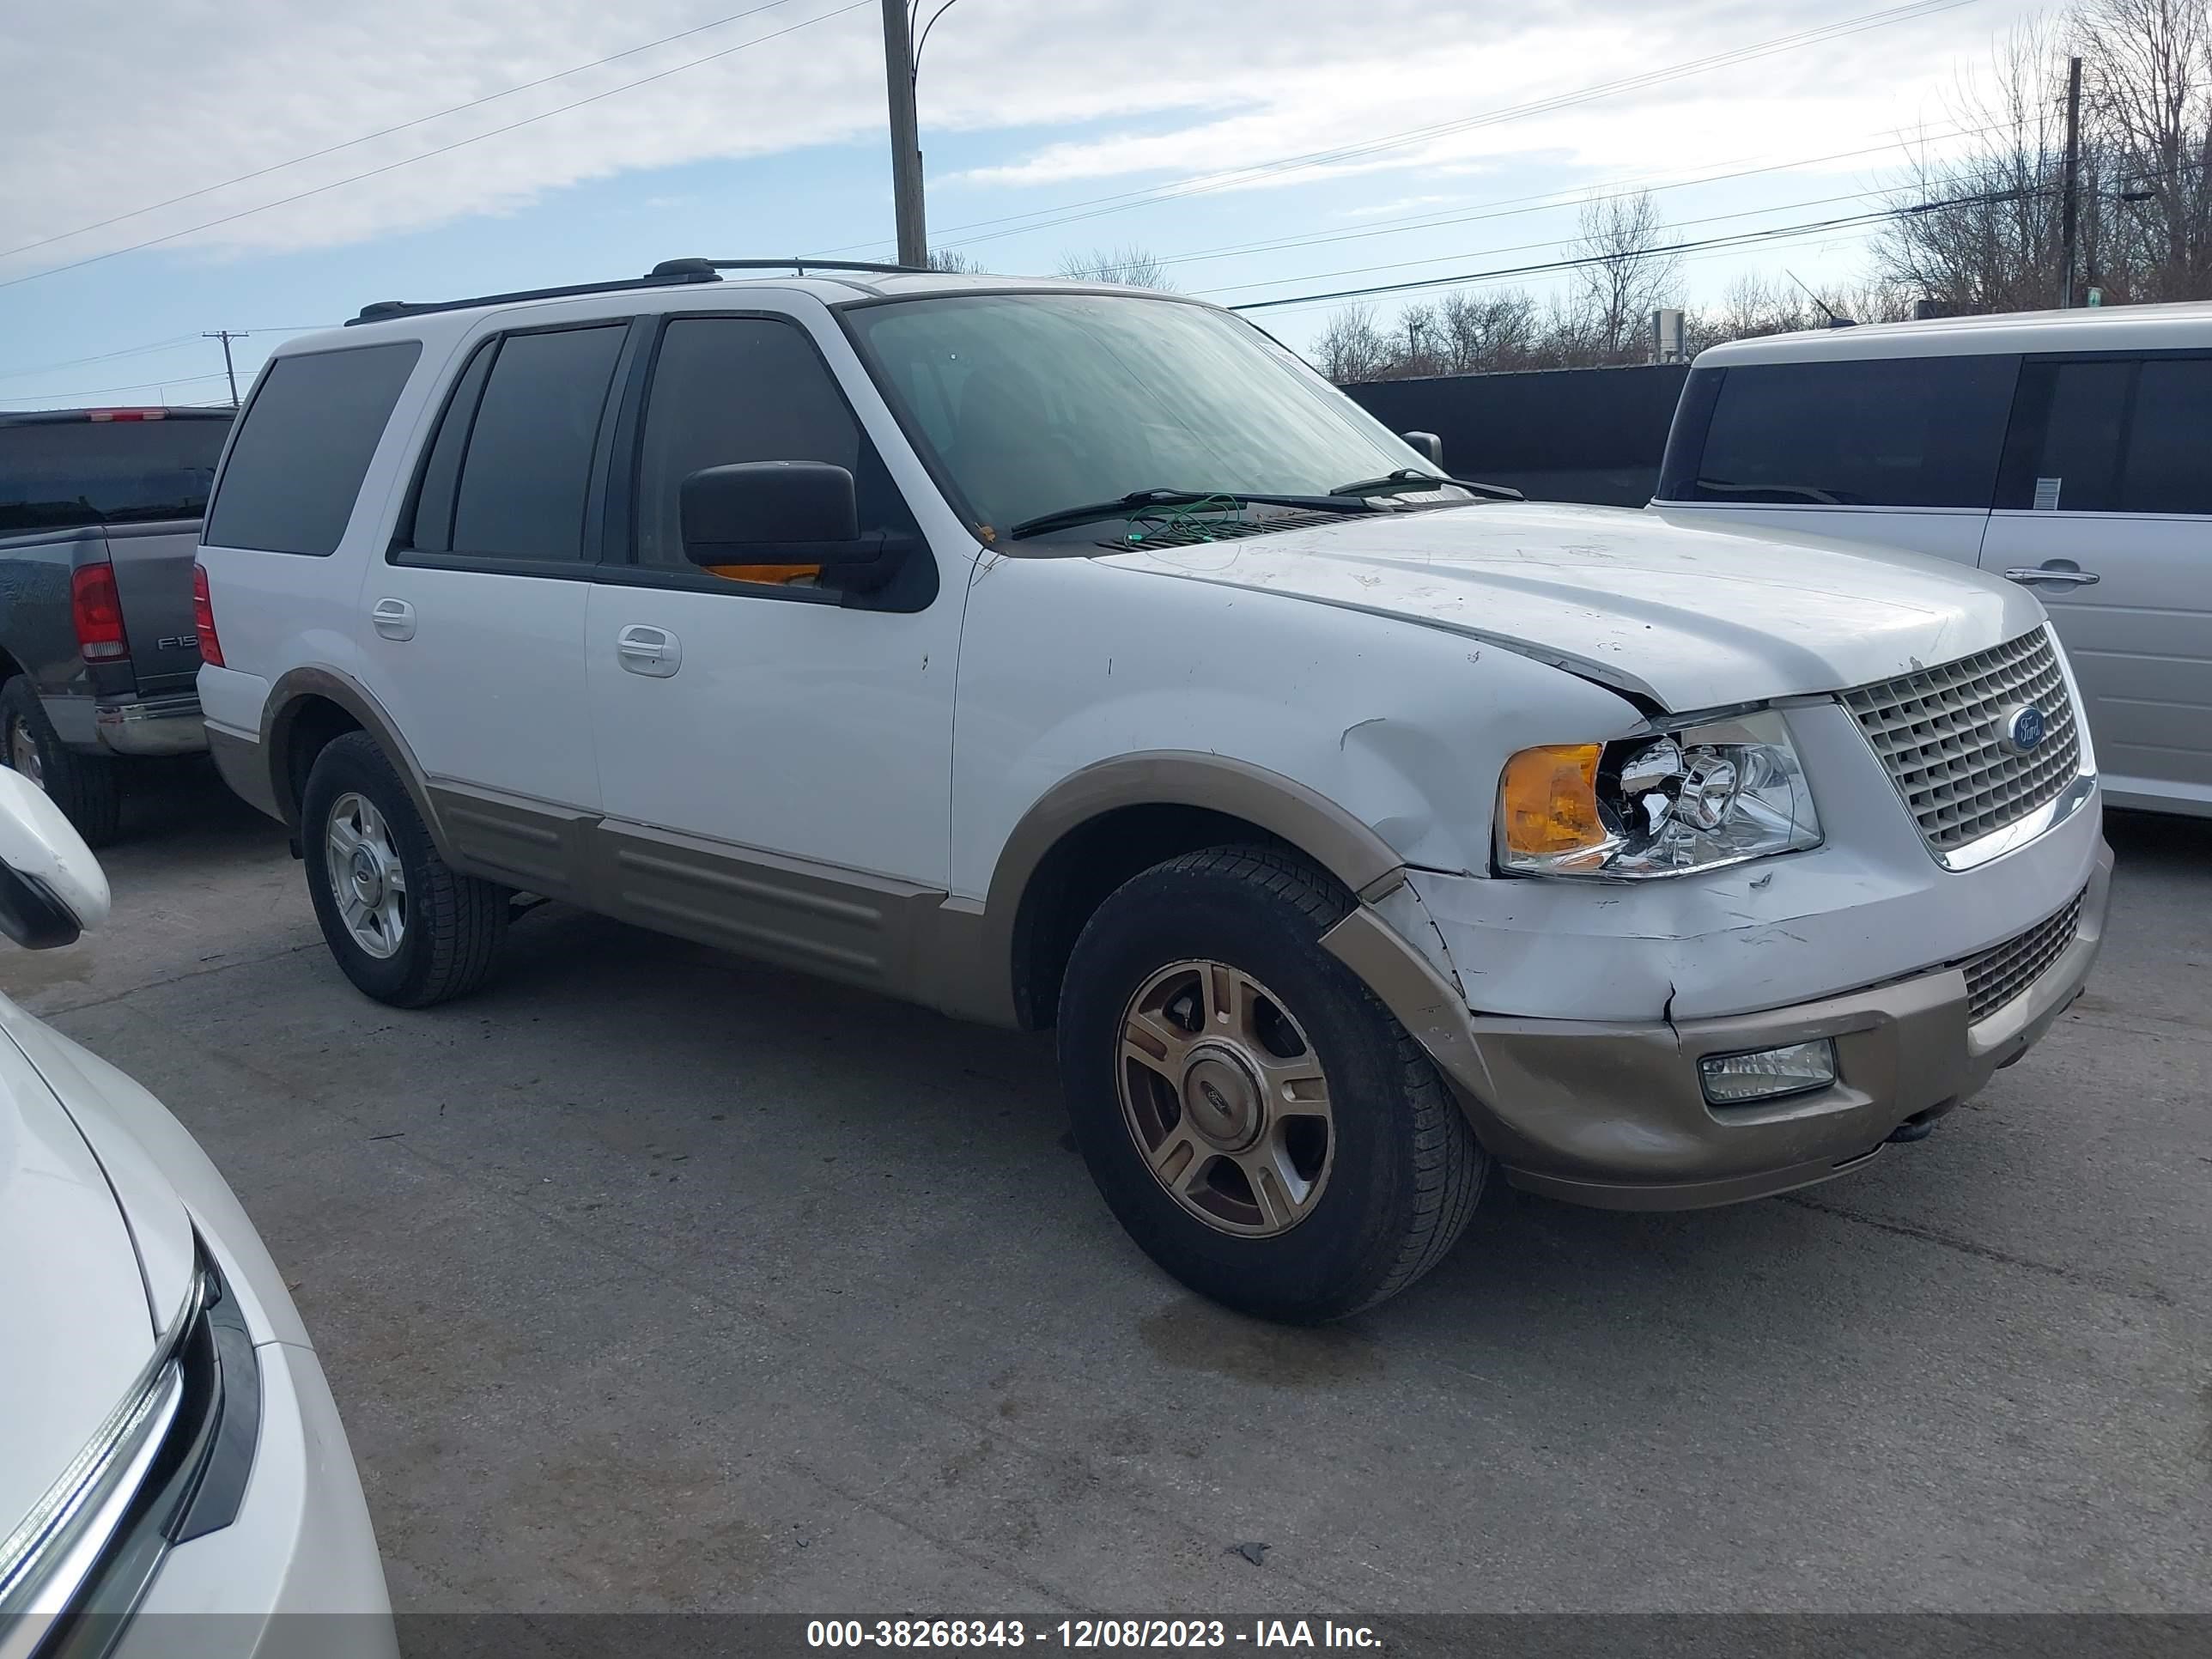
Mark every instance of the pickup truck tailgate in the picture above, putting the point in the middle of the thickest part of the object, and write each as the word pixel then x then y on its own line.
pixel 154 579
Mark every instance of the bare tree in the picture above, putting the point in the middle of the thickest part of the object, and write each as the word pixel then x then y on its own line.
pixel 1134 267
pixel 1352 348
pixel 1981 232
pixel 952 259
pixel 2148 74
pixel 1632 269
pixel 1484 332
pixel 1994 243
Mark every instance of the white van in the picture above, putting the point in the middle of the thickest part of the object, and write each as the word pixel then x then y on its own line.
pixel 2067 451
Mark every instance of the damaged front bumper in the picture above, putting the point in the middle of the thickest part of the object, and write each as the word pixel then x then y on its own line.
pixel 1613 1112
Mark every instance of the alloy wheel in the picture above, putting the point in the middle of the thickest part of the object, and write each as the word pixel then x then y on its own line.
pixel 1225 1098
pixel 366 876
pixel 23 751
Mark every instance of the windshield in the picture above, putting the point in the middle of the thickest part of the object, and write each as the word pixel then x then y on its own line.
pixel 1035 401
pixel 60 474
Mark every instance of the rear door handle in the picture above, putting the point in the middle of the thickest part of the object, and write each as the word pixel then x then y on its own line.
pixel 2060 574
pixel 393 618
pixel 653 652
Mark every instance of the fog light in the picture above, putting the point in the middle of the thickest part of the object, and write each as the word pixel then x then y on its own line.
pixel 1768 1073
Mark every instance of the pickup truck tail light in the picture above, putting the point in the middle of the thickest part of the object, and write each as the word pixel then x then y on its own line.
pixel 204 619
pixel 97 611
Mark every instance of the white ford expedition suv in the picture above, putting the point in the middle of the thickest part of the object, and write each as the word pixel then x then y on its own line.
pixel 1056 654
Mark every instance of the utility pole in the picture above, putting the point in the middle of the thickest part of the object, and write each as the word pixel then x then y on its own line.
pixel 227 335
pixel 2068 212
pixel 906 140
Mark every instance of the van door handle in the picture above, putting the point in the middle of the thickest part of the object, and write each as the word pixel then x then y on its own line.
pixel 653 652
pixel 393 618
pixel 2062 574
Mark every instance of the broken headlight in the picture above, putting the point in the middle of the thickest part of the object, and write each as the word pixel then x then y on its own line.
pixel 1697 797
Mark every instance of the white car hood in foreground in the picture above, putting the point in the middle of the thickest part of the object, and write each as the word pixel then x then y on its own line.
pixel 1692 617
pixel 76 1320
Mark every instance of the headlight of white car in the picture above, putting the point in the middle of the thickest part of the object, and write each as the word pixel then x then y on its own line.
pixel 1695 797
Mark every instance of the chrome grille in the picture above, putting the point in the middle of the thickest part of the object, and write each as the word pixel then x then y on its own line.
pixel 2003 971
pixel 1936 730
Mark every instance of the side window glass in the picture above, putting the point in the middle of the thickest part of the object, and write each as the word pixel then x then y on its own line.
pixel 528 467
pixel 1909 432
pixel 732 389
pixel 432 528
pixel 304 447
pixel 2168 467
pixel 2066 444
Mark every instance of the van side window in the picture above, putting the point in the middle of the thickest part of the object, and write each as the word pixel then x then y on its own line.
pixel 303 448
pixel 731 389
pixel 2064 452
pixel 1907 432
pixel 2168 467
pixel 528 466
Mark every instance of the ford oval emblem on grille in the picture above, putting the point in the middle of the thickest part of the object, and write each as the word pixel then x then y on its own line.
pixel 2020 728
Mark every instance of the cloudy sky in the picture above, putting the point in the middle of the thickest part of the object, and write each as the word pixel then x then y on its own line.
pixel 175 165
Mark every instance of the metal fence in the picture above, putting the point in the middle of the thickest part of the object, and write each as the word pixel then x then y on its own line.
pixel 1555 434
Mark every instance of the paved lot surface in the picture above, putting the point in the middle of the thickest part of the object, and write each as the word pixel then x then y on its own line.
pixel 647 1280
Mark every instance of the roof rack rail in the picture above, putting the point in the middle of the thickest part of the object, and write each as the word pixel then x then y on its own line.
pixel 667 274
pixel 692 267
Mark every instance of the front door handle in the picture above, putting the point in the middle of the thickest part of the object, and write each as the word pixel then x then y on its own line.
pixel 653 652
pixel 2065 576
pixel 393 618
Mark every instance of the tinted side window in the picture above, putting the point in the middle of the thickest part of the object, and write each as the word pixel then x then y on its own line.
pixel 529 463
pixel 56 474
pixel 2064 452
pixel 730 389
pixel 2168 467
pixel 304 445
pixel 1899 432
pixel 430 529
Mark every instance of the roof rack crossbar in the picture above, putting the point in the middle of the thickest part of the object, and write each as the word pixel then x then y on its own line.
pixel 667 273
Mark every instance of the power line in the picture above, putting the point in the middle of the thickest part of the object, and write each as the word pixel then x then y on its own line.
pixel 1545 201
pixel 170 344
pixel 1523 247
pixel 1203 183
pixel 457 143
pixel 1738 238
pixel 101 391
pixel 385 132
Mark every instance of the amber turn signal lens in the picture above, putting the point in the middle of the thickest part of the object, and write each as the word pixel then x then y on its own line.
pixel 1548 802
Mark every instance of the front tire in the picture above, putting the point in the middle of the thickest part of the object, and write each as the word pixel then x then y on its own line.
pixel 1254 1117
pixel 405 926
pixel 85 787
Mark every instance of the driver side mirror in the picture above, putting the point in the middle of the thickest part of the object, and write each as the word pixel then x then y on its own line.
pixel 1429 444
pixel 785 512
pixel 51 888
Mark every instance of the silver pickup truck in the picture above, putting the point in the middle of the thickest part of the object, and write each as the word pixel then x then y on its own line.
pixel 99 516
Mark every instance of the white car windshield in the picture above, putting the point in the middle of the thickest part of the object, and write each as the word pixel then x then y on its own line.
pixel 1034 403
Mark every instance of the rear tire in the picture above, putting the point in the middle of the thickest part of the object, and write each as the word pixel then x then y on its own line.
pixel 85 787
pixel 406 927
pixel 1310 1160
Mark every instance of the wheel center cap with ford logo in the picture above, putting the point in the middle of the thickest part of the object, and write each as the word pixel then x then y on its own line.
pixel 2020 728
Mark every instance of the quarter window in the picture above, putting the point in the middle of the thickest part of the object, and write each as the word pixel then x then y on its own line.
pixel 733 389
pixel 304 447
pixel 1908 431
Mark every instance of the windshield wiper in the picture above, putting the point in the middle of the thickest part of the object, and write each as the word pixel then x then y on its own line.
pixel 1138 500
pixel 1406 478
